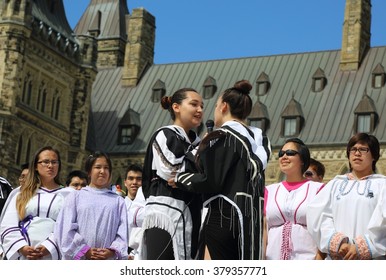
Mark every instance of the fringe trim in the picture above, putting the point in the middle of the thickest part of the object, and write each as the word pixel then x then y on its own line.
pixel 159 221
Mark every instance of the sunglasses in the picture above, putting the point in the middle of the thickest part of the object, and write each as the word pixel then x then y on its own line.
pixel 308 174
pixel 289 153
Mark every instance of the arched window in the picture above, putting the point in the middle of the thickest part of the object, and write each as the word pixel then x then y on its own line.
pixel 19 150
pixel 55 107
pixel 378 77
pixel 292 119
pixel 42 96
pixel 263 84
pixel 319 80
pixel 159 91
pixel 366 116
pixel 210 88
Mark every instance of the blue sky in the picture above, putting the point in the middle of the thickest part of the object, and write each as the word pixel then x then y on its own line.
pixel 200 30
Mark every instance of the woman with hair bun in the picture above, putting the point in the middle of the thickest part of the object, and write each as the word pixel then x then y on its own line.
pixel 231 160
pixel 172 216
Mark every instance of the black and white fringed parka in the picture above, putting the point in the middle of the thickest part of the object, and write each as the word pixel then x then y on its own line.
pixel 232 160
pixel 170 151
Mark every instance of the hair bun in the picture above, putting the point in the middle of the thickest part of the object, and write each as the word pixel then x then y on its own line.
pixel 244 86
pixel 165 102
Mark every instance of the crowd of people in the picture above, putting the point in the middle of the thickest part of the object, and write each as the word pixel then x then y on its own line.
pixel 199 198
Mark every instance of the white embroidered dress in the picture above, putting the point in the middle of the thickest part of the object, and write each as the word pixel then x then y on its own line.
pixel 350 210
pixel 38 226
pixel 285 210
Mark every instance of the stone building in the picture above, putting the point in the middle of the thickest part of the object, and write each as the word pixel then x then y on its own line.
pixel 46 77
pixel 321 97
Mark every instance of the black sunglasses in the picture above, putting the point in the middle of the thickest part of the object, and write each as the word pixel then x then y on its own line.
pixel 289 153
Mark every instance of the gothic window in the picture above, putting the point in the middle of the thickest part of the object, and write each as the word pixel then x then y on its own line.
pixel 378 77
pixel 28 151
pixel 126 135
pixel 259 117
pixel 364 123
pixel 19 150
pixel 159 91
pixel 129 127
pixel 27 89
pixel 24 94
pixel 290 127
pixel 379 80
pixel 366 116
pixel 39 97
pixel 210 88
pixel 262 84
pixel 17 7
pixel 42 96
pixel 55 108
pixel 29 93
pixel 319 80
pixel 292 119
pixel 23 153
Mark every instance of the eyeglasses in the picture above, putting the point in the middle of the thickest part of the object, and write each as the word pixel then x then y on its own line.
pixel 47 162
pixel 362 150
pixel 290 153
pixel 308 173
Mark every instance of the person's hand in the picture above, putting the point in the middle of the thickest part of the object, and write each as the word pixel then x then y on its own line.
pixel 31 253
pixel 99 254
pixel 351 253
pixel 343 249
pixel 43 250
pixel 348 251
pixel 172 183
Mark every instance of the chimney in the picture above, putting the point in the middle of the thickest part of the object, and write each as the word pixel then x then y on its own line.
pixel 139 55
pixel 356 34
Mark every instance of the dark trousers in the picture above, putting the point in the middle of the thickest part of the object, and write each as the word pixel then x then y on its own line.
pixel 159 244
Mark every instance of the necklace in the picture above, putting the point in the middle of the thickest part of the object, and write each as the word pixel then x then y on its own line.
pixel 367 192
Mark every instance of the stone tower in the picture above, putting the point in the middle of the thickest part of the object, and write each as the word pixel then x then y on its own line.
pixel 123 40
pixel 139 48
pixel 356 34
pixel 105 20
pixel 46 75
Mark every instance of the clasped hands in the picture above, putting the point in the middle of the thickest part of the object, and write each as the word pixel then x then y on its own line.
pixel 34 253
pixel 99 254
pixel 348 251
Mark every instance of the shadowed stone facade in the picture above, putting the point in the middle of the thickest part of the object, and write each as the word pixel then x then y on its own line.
pixel 46 77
